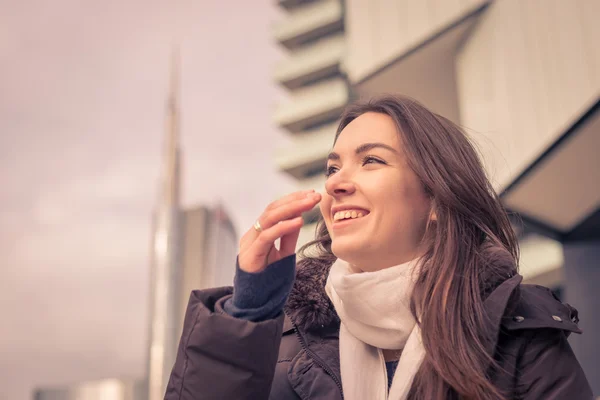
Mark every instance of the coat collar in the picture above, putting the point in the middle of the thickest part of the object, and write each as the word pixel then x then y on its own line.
pixel 535 307
pixel 511 305
pixel 308 304
pixel 496 305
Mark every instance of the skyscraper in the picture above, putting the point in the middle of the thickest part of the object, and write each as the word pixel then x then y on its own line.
pixel 191 249
pixel 165 253
pixel 105 389
pixel 208 252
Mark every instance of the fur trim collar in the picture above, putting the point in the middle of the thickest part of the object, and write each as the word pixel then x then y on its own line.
pixel 311 310
pixel 308 304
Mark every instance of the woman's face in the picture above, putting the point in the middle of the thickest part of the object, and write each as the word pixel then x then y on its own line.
pixel 375 208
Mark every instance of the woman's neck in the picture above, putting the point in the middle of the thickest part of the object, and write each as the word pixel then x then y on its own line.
pixel 391 355
pixel 374 264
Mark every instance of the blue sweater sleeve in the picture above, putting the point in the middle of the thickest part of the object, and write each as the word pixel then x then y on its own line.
pixel 261 296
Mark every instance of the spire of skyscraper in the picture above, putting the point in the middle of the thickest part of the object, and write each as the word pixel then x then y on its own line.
pixel 165 252
pixel 171 178
pixel 174 84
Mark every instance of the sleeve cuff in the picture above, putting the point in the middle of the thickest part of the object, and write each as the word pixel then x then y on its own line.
pixel 261 296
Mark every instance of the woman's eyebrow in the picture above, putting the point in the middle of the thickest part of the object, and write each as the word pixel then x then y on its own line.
pixel 363 148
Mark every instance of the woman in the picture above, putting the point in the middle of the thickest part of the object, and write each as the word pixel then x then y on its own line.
pixel 410 290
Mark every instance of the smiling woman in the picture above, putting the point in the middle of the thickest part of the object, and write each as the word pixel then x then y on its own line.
pixel 410 289
pixel 368 172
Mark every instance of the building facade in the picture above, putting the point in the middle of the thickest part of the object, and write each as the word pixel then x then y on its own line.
pixel 523 78
pixel 166 254
pixel 314 36
pixel 209 249
pixel 206 249
pixel 191 249
pixel 106 389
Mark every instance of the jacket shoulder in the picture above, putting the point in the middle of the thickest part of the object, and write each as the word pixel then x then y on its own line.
pixel 212 339
pixel 537 307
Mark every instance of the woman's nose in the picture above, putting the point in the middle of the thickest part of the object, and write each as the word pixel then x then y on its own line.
pixel 339 184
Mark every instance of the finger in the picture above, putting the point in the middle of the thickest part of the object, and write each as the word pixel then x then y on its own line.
pixel 252 233
pixel 248 238
pixel 295 204
pixel 288 243
pixel 290 197
pixel 289 210
pixel 263 243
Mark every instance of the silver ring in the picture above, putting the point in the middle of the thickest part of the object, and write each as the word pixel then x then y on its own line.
pixel 257 227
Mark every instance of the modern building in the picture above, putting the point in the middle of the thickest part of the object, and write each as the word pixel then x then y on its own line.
pixel 314 36
pixel 191 249
pixel 209 249
pixel 523 77
pixel 107 389
pixel 166 255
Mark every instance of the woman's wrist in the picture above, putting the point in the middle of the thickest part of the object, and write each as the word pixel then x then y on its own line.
pixel 261 296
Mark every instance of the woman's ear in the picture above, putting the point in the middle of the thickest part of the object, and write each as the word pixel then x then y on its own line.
pixel 432 216
pixel 432 213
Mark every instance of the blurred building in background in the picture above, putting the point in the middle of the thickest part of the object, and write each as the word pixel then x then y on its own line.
pixel 208 253
pixel 107 389
pixel 205 248
pixel 523 77
pixel 191 249
pixel 313 34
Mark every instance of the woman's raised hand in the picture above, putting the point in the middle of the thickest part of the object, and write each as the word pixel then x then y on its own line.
pixel 282 219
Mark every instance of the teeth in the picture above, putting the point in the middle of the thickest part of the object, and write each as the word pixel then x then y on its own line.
pixel 347 215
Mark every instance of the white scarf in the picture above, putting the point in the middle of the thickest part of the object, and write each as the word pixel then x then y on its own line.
pixel 374 308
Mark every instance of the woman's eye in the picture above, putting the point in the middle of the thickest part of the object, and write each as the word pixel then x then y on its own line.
pixel 371 160
pixel 367 160
pixel 330 170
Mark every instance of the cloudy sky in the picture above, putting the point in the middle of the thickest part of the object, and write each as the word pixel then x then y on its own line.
pixel 82 98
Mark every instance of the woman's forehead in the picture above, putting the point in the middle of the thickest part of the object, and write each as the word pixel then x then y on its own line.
pixel 368 128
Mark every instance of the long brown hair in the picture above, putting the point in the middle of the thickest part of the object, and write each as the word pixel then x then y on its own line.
pixel 470 248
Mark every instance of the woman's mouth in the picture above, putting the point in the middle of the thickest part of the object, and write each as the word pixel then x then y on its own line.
pixel 345 218
pixel 348 214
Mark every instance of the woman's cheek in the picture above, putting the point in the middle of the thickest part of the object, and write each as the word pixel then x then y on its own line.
pixel 325 206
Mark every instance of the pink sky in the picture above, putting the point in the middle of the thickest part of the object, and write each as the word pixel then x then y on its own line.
pixel 83 86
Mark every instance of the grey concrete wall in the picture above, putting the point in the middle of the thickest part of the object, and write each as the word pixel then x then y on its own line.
pixel 582 290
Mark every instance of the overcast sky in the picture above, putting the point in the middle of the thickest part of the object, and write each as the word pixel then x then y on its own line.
pixel 83 86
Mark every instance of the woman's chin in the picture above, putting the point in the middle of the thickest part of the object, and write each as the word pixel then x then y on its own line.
pixel 347 251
